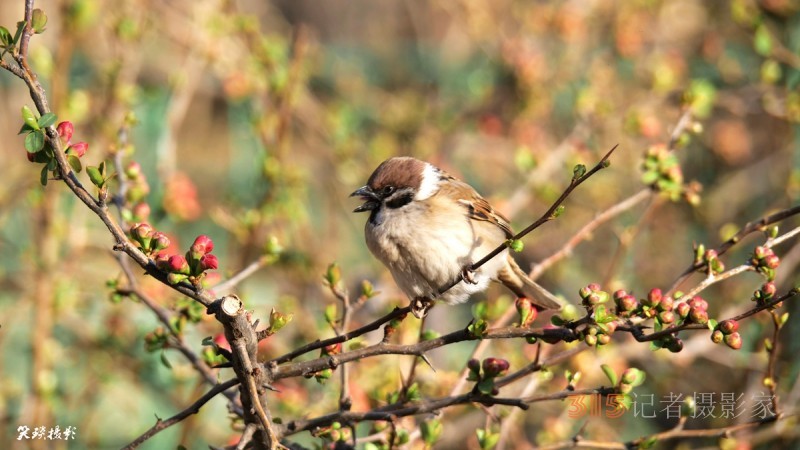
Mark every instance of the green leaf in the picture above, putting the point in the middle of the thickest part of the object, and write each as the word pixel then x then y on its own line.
pixel 612 376
pixel 95 176
pixel 762 41
pixel 38 21
pixel 34 141
pixel 18 34
pixel 47 120
pixel 650 177
pixel 165 361
pixel 75 163
pixel 208 340
pixel 5 36
pixel 43 176
pixel 558 211
pixel 29 118
pixel 712 324
pixel 330 313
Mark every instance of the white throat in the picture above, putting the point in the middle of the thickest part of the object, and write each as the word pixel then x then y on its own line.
pixel 430 182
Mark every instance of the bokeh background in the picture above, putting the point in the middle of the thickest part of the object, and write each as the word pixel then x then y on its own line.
pixel 253 121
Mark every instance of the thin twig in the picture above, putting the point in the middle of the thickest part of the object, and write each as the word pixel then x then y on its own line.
pixel 549 215
pixel 194 408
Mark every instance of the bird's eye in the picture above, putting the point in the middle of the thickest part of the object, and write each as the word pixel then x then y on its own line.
pixel 388 190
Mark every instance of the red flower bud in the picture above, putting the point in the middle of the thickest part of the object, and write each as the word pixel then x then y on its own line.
pixel 493 367
pixel 208 262
pixel 142 233
pixel 332 349
pixel 619 294
pixel 65 130
pixel 80 148
pixel 30 156
pixel 178 264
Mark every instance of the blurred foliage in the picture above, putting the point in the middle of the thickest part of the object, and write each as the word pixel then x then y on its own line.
pixel 253 121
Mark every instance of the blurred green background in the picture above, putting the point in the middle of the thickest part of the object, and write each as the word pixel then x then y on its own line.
pixel 255 120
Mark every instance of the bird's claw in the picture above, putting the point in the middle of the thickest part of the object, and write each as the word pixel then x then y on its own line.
pixel 468 275
pixel 420 306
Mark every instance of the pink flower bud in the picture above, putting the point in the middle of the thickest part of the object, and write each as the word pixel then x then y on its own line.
pixel 619 294
pixel 142 233
pixel 162 261
pixel 133 170
pixel 683 310
pixel 80 148
pixel 653 297
pixel 734 340
pixel 141 211
pixel 202 245
pixel 160 241
pixel 772 261
pixel 728 326
pixel 698 303
pixel 666 303
pixel 208 262
pixel 527 312
pixel 769 290
pixel 65 130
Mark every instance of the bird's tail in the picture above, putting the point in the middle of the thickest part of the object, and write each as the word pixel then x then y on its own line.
pixel 518 281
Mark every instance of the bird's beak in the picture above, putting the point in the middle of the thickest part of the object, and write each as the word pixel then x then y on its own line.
pixel 371 201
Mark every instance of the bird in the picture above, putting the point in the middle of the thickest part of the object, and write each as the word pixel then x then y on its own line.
pixel 428 227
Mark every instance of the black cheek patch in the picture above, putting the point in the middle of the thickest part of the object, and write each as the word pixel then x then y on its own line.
pixel 400 200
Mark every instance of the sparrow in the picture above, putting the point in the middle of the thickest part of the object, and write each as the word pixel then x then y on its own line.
pixel 427 228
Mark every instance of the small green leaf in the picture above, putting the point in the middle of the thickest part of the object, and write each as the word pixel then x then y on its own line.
pixel 165 361
pixel 5 36
pixel 47 120
pixel 557 320
pixel 95 176
pixel 43 176
pixel 762 41
pixel 38 21
pixel 208 340
pixel 428 335
pixel 612 376
pixel 330 313
pixel 712 324
pixel 34 141
pixel 558 211
pixel 29 118
pixel 75 163
pixel 486 386
pixel 18 34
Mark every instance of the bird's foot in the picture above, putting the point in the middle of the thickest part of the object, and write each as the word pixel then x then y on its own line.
pixel 468 275
pixel 420 306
